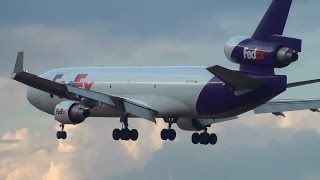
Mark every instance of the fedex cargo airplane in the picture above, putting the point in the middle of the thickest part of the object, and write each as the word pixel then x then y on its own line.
pixel 193 97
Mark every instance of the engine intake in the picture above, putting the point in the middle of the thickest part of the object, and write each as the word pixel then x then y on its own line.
pixel 69 112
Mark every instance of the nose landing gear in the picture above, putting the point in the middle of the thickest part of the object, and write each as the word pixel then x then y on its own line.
pixel 62 134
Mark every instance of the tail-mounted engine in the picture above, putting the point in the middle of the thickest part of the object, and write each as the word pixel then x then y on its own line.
pixel 247 51
pixel 69 112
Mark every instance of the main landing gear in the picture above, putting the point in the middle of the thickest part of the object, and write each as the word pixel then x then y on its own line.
pixel 125 133
pixel 204 138
pixel 61 134
pixel 169 134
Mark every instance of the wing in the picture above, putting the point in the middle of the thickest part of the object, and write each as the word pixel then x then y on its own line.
pixel 277 107
pixel 85 97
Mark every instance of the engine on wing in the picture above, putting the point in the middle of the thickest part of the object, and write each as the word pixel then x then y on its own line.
pixel 189 124
pixel 247 51
pixel 69 112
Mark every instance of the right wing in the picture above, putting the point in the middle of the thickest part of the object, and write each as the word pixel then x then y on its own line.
pixel 91 98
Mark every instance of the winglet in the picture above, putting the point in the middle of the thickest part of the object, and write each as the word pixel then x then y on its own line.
pixel 19 63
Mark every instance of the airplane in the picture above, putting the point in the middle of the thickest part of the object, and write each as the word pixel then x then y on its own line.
pixel 193 97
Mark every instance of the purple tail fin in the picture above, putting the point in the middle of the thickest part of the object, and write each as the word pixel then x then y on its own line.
pixel 270 30
pixel 274 20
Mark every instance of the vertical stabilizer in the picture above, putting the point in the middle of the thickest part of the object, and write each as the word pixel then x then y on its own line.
pixel 274 20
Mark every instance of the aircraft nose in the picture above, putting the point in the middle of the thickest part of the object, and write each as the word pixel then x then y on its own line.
pixel 31 96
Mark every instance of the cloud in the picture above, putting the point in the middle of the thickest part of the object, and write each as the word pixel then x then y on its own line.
pixel 88 153
pixel 287 155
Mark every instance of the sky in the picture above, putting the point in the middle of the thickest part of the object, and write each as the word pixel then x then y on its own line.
pixel 60 33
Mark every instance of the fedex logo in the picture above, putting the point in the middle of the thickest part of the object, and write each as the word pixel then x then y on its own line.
pixel 77 82
pixel 60 112
pixel 255 54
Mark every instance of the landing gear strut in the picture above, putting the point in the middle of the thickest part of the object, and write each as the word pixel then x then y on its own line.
pixel 61 134
pixel 125 133
pixel 204 138
pixel 169 134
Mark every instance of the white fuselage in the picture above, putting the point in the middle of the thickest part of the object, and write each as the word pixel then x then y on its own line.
pixel 172 91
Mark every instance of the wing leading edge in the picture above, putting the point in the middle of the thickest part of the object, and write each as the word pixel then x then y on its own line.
pixel 91 98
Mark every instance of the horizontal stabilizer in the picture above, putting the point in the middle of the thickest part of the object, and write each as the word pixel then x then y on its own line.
pixel 237 80
pixel 281 106
pixel 302 83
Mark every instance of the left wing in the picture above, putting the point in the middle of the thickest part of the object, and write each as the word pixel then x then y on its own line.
pixel 277 107
pixel 85 97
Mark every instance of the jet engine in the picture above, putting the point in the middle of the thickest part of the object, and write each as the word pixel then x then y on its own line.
pixel 69 112
pixel 247 51
pixel 189 124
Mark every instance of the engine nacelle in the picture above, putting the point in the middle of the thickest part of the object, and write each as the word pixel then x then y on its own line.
pixel 247 51
pixel 69 112
pixel 189 124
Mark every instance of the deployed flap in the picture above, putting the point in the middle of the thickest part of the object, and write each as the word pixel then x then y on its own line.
pixel 235 79
pixel 139 111
pixel 102 98
pixel 287 105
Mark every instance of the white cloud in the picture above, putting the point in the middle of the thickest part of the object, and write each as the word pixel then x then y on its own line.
pixel 89 148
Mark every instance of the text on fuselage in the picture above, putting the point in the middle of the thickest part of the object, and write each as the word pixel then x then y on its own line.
pixel 77 82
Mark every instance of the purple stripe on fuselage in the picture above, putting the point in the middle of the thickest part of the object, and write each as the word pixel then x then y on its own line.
pixel 217 97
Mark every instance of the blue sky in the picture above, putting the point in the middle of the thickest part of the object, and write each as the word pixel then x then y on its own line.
pixel 61 33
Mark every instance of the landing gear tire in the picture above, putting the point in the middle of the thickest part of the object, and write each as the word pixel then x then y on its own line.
pixel 204 138
pixel 195 138
pixel 64 135
pixel 172 134
pixel 125 134
pixel 61 135
pixel 116 134
pixel 134 134
pixel 213 139
pixel 164 134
